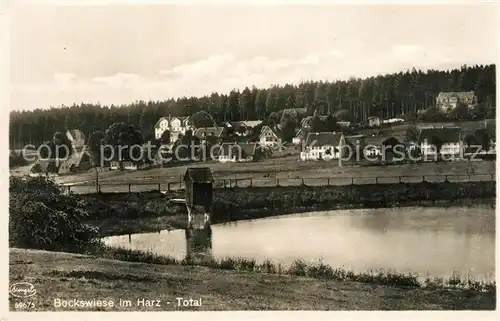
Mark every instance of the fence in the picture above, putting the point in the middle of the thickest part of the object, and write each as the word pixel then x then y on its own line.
pixel 133 187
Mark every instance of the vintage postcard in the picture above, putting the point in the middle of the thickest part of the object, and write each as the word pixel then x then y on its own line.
pixel 251 157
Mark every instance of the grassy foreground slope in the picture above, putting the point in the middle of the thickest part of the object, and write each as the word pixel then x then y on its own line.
pixel 71 276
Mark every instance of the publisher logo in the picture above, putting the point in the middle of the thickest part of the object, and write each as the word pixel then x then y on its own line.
pixel 22 290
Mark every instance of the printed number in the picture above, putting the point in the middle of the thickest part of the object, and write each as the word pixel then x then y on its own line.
pixel 24 305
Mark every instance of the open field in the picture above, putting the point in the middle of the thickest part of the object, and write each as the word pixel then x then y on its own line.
pixel 399 130
pixel 70 276
pixel 287 171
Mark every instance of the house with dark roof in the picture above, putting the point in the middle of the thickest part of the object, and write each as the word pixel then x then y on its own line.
pixel 383 147
pixel 306 122
pixel 205 133
pixel 198 120
pixel 295 113
pixel 440 140
pixel 450 100
pixel 244 127
pixel 239 152
pixel 324 145
pixel 344 124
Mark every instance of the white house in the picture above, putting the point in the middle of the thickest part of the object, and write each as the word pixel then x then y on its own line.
pixel 393 120
pixel 176 126
pixel 447 139
pixel 129 166
pixel 114 165
pixel 373 121
pixel 325 145
pixel 268 137
pixel 161 125
pixel 298 137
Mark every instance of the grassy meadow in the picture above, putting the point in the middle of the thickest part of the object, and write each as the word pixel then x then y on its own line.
pixel 232 285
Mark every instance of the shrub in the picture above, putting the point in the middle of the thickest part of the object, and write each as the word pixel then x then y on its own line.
pixel 41 217
pixel 298 267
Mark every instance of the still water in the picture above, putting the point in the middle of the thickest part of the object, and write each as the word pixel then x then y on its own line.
pixel 430 241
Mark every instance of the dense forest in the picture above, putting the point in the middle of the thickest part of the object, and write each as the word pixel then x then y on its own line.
pixel 401 94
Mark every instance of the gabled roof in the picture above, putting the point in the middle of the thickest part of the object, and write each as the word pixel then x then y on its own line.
pixel 461 95
pixel 444 134
pixel 302 134
pixel 266 129
pixel 208 131
pixel 199 175
pixel 343 123
pixel 246 123
pixel 323 139
pixel 200 119
pixel 157 125
pixel 353 139
pixel 76 137
pixel 185 120
pixel 306 122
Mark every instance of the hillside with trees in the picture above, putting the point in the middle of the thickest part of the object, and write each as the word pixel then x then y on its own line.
pixel 392 95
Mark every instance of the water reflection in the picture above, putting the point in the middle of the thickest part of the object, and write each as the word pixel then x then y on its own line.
pixel 198 243
pixel 428 241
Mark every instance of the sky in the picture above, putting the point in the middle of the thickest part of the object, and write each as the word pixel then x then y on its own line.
pixel 119 54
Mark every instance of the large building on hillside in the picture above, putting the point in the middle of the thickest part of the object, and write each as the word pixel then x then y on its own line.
pixel 449 100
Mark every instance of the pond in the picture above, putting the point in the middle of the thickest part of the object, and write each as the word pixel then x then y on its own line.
pixel 430 241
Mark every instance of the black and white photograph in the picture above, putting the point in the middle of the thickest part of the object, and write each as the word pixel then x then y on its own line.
pixel 223 156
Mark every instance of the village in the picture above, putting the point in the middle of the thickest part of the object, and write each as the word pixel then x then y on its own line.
pixel 316 138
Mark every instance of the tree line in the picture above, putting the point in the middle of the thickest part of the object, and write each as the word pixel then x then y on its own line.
pixel 391 95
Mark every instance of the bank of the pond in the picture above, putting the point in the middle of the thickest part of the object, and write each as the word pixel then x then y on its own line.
pixel 126 213
pixel 230 284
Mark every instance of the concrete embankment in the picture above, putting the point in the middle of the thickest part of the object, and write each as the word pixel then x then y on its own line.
pixel 230 204
pixel 259 202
